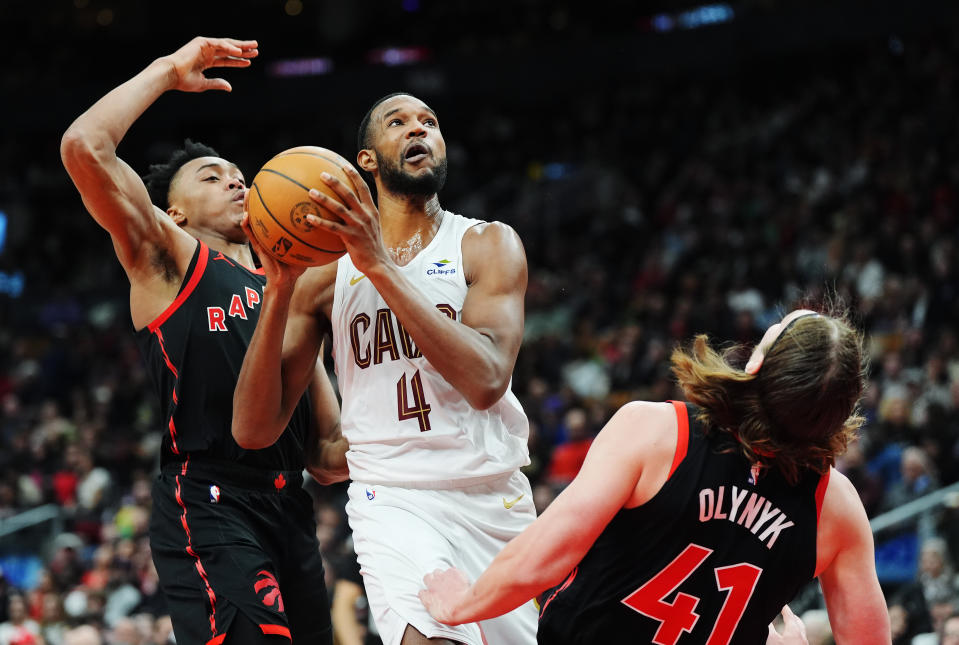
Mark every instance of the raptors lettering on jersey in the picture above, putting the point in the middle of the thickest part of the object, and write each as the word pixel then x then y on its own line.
pixel 216 316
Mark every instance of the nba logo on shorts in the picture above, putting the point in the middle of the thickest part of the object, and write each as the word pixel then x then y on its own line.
pixel 370 494
pixel 214 494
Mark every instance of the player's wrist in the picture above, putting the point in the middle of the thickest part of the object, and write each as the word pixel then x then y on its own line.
pixel 381 270
pixel 166 70
pixel 278 291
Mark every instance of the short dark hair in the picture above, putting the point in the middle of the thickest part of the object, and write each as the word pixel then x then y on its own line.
pixel 160 175
pixel 363 134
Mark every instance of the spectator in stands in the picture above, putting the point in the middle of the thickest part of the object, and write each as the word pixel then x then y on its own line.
pixel 568 457
pixel 936 573
pixel 162 631
pixel 19 629
pixel 853 465
pixel 917 479
pixel 53 626
pixel 950 630
pixel 83 635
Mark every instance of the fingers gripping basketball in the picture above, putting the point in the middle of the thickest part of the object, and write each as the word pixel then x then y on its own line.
pixel 278 204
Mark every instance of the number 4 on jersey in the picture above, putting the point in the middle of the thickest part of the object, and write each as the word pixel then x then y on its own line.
pixel 419 409
pixel 678 616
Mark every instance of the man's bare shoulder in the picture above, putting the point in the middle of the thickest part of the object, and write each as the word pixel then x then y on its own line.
pixel 496 247
pixel 645 425
pixel 491 233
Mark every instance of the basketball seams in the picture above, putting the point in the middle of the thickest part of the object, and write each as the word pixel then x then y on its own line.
pixel 339 161
pixel 279 205
pixel 266 208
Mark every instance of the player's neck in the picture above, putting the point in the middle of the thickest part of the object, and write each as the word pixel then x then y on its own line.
pixel 237 251
pixel 408 223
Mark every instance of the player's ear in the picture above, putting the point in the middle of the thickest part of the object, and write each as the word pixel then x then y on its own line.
pixel 366 160
pixel 178 216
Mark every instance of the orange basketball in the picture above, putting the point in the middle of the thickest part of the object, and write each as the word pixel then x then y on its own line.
pixel 278 203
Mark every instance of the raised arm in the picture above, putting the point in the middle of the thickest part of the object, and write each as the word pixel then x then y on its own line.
pixel 281 360
pixel 638 434
pixel 846 566
pixel 112 192
pixel 476 357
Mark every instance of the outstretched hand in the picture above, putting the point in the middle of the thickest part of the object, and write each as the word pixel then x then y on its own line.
pixel 794 632
pixel 444 591
pixel 279 275
pixel 360 225
pixel 200 54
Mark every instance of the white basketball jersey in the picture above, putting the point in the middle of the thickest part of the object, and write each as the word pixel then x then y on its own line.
pixel 405 423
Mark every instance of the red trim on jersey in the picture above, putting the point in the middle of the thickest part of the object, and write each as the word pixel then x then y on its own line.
pixel 216 641
pixel 219 256
pixel 166 357
pixel 682 436
pixel 569 581
pixel 173 446
pixel 260 271
pixel 278 630
pixel 172 368
pixel 187 290
pixel 199 565
pixel 821 493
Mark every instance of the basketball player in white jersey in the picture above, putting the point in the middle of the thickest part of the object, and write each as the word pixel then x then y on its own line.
pixel 426 314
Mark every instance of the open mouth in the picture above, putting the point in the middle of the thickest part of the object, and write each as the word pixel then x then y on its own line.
pixel 240 196
pixel 416 152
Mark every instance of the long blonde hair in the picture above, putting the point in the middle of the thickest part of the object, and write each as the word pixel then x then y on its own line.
pixel 799 411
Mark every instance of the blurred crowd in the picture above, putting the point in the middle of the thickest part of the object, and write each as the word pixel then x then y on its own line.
pixel 650 212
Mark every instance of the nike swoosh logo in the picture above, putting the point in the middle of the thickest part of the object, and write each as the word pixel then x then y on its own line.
pixel 355 280
pixel 509 505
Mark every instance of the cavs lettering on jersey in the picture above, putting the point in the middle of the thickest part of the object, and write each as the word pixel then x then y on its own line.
pixel 711 558
pixel 194 351
pixel 405 423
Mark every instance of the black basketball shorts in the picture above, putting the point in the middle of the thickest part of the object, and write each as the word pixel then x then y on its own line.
pixel 228 538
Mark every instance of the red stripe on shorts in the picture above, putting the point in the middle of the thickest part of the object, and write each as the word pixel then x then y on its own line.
pixel 199 565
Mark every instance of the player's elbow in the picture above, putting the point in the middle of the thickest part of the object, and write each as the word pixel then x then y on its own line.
pixel 485 393
pixel 248 439
pixel 73 147
pixel 79 147
pixel 485 398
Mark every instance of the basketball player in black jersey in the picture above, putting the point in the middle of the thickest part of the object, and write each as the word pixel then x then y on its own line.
pixel 232 531
pixel 696 523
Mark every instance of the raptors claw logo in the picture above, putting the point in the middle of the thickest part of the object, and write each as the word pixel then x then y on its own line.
pixel 272 596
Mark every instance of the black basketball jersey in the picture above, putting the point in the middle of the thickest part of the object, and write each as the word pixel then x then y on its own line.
pixel 194 351
pixel 711 558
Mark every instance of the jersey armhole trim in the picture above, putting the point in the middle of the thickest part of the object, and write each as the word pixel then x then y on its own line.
pixel 821 493
pixel 181 297
pixel 682 436
pixel 275 630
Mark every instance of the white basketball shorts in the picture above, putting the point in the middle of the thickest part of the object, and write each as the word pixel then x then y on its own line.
pixel 401 534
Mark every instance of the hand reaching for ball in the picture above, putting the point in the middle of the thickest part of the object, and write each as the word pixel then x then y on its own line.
pixel 280 276
pixel 200 54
